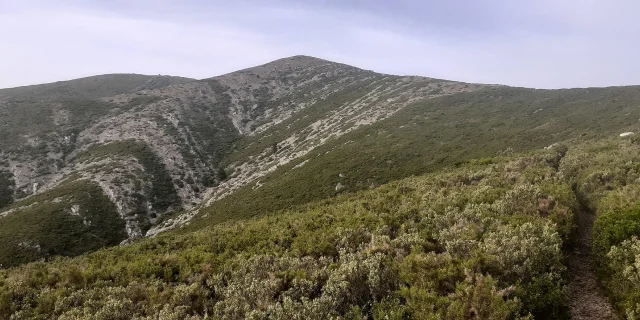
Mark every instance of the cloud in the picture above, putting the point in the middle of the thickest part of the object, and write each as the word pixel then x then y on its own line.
pixel 544 43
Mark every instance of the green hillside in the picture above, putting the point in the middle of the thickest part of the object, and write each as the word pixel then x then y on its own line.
pixel 484 238
pixel 487 239
pixel 73 218
pixel 434 134
pixel 606 177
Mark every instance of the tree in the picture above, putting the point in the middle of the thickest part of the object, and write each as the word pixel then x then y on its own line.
pixel 222 174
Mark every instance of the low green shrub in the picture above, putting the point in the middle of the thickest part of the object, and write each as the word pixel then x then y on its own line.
pixel 612 228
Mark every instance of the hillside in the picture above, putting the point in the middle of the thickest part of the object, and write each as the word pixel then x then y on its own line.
pixel 486 240
pixel 159 150
pixel 351 193
pixel 422 137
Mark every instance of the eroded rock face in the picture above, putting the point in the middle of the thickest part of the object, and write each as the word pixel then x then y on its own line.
pixel 158 144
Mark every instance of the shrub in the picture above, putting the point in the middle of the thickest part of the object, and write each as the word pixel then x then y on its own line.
pixel 624 280
pixel 614 227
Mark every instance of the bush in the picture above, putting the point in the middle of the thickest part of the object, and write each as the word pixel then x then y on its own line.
pixel 624 280
pixel 612 228
pixel 6 188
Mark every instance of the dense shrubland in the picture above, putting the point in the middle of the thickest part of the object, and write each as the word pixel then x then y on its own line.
pixel 607 178
pixel 425 136
pixel 68 220
pixel 479 242
pixel 6 188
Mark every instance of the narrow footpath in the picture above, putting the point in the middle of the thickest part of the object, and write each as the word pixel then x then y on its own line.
pixel 586 300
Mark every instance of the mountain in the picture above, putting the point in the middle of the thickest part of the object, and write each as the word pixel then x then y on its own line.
pixel 157 145
pixel 321 179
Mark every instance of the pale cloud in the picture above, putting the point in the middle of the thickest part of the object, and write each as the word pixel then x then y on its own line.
pixel 542 43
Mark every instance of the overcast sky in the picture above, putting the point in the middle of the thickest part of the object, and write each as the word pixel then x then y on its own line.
pixel 542 43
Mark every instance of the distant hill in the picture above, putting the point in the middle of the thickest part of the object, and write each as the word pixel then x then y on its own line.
pixel 90 87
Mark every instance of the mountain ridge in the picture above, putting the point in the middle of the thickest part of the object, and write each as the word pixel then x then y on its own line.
pixel 126 81
pixel 290 60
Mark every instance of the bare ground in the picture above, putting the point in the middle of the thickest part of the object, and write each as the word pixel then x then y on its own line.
pixel 586 299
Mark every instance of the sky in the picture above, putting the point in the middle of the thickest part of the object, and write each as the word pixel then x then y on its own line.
pixel 539 44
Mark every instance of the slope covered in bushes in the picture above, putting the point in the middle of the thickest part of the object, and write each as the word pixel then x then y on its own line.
pixel 607 178
pixel 72 218
pixel 429 135
pixel 481 241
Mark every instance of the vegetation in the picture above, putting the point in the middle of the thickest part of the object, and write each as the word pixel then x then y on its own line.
pixel 6 188
pixel 430 135
pixel 210 130
pixel 44 111
pixel 483 240
pixel 88 88
pixel 163 195
pixel 458 244
pixel 607 178
pixel 73 218
pixel 441 211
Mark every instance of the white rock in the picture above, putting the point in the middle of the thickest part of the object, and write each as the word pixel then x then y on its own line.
pixel 75 210
pixel 626 134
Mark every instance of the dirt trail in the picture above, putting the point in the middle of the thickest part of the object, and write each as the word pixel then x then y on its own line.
pixel 586 300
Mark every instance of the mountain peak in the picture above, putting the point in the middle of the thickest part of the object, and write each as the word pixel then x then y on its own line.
pixel 302 60
pixel 285 65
